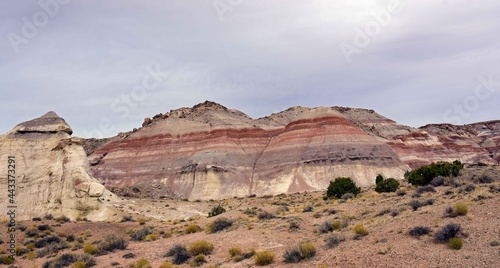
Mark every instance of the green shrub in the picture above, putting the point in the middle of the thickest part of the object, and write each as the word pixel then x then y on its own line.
pixel 142 263
pixel 263 258
pixel 201 247
pixel 219 225
pixel 360 229
pixel 455 243
pixel 341 186
pixel 386 185
pixel 216 211
pixel 424 175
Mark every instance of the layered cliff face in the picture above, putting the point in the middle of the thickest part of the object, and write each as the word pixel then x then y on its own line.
pixel 209 151
pixel 52 172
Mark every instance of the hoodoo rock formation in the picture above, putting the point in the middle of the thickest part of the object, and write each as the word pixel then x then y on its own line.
pixel 52 173
pixel 212 152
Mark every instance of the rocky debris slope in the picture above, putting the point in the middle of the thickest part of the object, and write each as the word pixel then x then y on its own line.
pixel 52 172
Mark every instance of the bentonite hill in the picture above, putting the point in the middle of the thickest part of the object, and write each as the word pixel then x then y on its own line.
pixel 212 152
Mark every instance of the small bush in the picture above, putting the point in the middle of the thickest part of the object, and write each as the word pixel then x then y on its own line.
pixel 235 251
pixel 325 227
pixel 495 243
pixel 219 225
pixel 307 250
pixel 48 217
pixel 347 196
pixel 485 179
pixel 360 229
pixel 339 225
pixel 62 219
pixel 198 260
pixel 294 226
pixel 341 186
pixel 66 260
pixel 90 249
pixel 400 192
pixel 470 188
pixel 167 265
pixel 386 185
pixel 292 255
pixel 446 232
pixel 263 258
pixel 141 221
pixel 265 215
pixel 437 181
pixel 111 243
pixel 416 204
pixel 31 231
pixel 79 264
pixel 460 209
pixel 7 260
pixel 36 219
pixel 455 243
pixel 216 211
pixel 419 231
pixel 127 218
pixel 334 240
pixel 178 253
pixel 425 189
pixel 201 247
pixel 141 234
pixel 191 229
pixel 308 208
pixel 142 263
pixel 304 251
pixel 150 237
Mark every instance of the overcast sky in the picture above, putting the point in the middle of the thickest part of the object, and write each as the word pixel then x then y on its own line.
pixel 106 65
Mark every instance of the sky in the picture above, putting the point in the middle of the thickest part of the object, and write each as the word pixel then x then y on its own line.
pixel 104 66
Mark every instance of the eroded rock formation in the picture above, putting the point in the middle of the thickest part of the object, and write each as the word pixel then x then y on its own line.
pixel 52 172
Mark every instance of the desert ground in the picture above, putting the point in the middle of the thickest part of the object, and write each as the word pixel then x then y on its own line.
pixel 151 227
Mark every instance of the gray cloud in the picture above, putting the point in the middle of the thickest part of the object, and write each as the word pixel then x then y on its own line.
pixel 264 56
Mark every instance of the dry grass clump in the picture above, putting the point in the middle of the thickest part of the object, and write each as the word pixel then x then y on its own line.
pixel 263 258
pixel 201 247
pixel 360 229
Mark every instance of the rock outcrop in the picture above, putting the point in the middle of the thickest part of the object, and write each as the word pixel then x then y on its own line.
pixel 52 172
